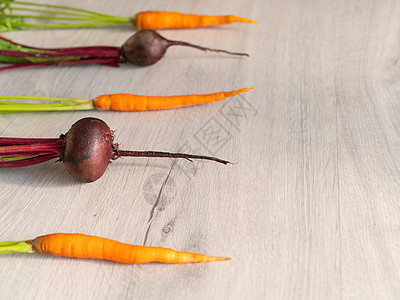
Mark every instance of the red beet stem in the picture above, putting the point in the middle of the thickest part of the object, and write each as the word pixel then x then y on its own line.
pixel 57 49
pixel 11 42
pixel 23 141
pixel 87 61
pixel 107 55
pixel 37 150
pixel 26 65
pixel 27 162
pixel 28 153
pixel 31 149
pixel 92 52
pixel 17 53
pixel 10 147
pixel 85 48
pixel 168 154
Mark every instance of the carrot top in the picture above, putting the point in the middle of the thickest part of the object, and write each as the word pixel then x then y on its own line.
pixel 17 15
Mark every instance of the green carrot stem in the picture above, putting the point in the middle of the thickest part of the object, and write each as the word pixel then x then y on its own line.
pixel 15 247
pixel 75 100
pixel 61 25
pixel 16 107
pixel 94 19
pixel 62 104
pixel 54 6
pixel 44 11
pixel 45 17
pixel 103 19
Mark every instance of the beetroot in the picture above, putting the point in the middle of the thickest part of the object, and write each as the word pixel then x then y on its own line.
pixel 144 48
pixel 86 150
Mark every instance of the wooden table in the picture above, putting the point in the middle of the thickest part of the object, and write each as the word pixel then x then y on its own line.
pixel 309 210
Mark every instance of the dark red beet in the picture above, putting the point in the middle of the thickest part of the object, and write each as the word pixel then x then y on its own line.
pixel 146 47
pixel 86 150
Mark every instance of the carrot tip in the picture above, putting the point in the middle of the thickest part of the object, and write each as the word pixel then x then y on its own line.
pixel 224 258
pixel 249 21
pixel 244 90
pixel 244 20
pixel 216 258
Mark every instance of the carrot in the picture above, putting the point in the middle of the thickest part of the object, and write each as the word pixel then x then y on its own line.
pixel 176 20
pixel 86 246
pixel 20 14
pixel 116 102
pixel 129 102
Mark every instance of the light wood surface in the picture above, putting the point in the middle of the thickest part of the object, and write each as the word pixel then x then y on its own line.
pixel 310 209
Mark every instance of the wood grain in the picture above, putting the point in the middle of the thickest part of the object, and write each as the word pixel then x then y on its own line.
pixel 308 211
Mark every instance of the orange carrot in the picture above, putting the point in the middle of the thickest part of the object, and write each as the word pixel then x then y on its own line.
pixel 87 246
pixel 129 102
pixel 175 20
pixel 116 102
